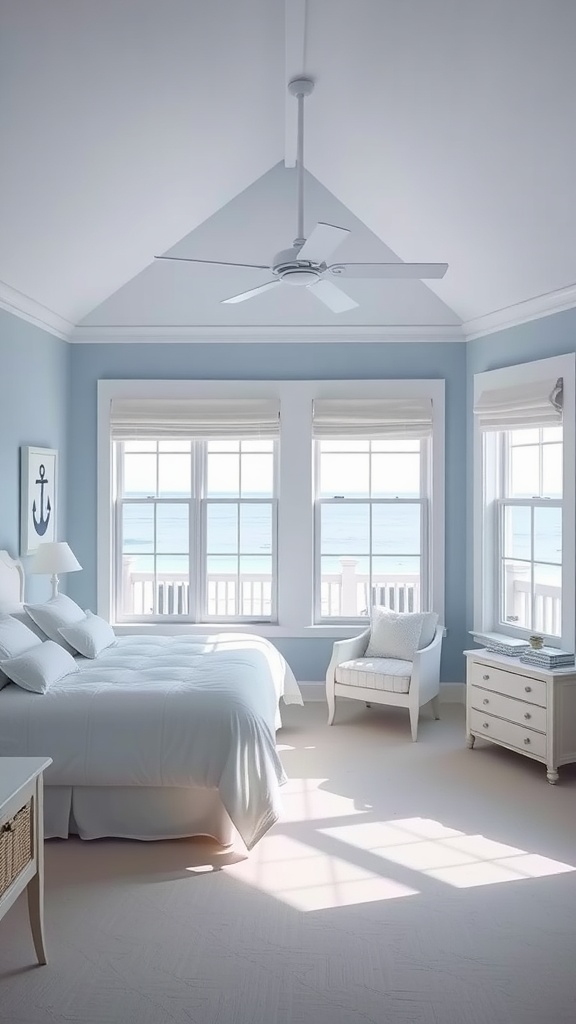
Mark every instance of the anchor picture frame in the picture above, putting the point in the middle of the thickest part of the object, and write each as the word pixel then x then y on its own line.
pixel 38 497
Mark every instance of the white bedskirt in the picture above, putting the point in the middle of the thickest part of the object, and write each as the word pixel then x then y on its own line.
pixel 135 812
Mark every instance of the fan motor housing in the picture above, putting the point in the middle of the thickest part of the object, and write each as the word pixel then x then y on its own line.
pixel 293 271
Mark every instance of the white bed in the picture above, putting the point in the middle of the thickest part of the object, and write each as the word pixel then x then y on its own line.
pixel 157 737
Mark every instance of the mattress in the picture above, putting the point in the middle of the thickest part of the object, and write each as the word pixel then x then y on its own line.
pixel 164 711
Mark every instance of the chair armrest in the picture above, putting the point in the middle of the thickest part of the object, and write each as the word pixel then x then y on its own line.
pixel 347 650
pixel 426 669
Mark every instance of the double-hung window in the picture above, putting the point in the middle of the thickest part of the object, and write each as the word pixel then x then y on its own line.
pixel 372 507
pixel 524 573
pixel 194 510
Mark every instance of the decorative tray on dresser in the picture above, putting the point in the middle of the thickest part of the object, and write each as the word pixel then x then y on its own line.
pixel 526 708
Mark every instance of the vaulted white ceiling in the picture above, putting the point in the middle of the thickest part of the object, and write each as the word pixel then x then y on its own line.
pixel 437 132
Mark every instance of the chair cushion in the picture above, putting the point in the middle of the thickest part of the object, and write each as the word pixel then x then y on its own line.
pixel 390 674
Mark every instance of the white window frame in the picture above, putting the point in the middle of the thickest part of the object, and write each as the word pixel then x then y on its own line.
pixel 487 491
pixel 295 552
pixel 423 501
pixel 197 503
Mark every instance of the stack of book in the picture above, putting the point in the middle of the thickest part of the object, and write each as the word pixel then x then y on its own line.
pixel 506 645
pixel 547 657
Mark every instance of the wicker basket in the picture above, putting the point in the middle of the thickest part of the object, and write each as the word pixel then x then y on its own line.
pixel 15 846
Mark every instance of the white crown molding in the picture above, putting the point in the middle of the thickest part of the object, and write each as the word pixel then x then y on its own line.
pixel 520 313
pixel 229 335
pixel 33 312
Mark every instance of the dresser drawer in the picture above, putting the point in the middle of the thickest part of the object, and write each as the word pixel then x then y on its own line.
pixel 508 683
pixel 530 715
pixel 524 740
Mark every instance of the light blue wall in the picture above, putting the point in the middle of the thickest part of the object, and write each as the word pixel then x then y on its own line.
pixel 33 411
pixel 551 336
pixel 308 658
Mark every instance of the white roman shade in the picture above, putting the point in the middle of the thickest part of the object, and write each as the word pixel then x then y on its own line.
pixel 141 418
pixel 371 419
pixel 534 404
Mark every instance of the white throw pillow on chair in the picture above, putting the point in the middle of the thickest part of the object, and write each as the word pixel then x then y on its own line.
pixel 396 634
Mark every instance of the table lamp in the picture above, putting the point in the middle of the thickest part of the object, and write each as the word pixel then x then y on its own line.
pixel 54 557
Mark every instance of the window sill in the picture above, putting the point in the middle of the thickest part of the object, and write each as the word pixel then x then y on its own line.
pixel 340 632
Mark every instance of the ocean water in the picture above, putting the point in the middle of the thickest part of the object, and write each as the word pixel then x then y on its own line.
pixel 345 534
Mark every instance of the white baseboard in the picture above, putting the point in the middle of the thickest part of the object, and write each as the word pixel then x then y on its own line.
pixel 450 693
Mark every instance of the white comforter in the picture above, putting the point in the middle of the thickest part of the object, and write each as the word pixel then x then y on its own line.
pixel 164 711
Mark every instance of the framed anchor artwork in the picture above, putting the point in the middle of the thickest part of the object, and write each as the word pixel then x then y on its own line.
pixel 38 497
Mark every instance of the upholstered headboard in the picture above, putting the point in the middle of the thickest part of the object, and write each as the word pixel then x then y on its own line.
pixel 11 582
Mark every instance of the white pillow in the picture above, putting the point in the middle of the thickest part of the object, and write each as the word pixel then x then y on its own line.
pixel 15 637
pixel 50 616
pixel 39 667
pixel 394 634
pixel 90 636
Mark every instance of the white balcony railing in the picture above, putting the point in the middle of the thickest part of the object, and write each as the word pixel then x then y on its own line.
pixel 343 595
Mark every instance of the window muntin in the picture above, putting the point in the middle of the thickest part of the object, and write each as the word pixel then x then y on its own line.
pixel 195 529
pixel 370 527
pixel 530 531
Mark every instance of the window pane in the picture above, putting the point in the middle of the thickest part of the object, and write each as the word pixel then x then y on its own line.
pixel 524 474
pixel 139 446
pixel 395 475
pixel 174 446
pixel 344 474
pixel 222 585
pixel 223 475
pixel 229 445
pixel 343 590
pixel 396 529
pixel 548 599
pixel 395 446
pixel 396 583
pixel 255 587
pixel 257 446
pixel 255 529
pixel 137 587
pixel 221 528
pixel 354 445
pixel 137 529
pixel 345 529
pixel 552 470
pixel 516 591
pixel 172 584
pixel 257 476
pixel 548 535
pixel 139 475
pixel 530 435
pixel 172 528
pixel 517 531
pixel 174 475
pixel 552 433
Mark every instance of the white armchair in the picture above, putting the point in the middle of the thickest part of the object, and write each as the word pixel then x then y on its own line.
pixel 404 684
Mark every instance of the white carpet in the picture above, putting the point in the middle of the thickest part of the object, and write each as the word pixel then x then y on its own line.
pixel 408 883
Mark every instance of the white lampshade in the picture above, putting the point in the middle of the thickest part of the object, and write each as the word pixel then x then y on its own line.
pixel 54 557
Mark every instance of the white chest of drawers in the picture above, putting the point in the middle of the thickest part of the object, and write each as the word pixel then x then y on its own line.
pixel 527 709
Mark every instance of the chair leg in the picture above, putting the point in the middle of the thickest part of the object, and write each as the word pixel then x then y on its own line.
pixel 331 698
pixel 435 702
pixel 414 713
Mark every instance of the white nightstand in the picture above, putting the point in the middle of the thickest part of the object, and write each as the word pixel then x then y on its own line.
pixel 528 709
pixel 22 839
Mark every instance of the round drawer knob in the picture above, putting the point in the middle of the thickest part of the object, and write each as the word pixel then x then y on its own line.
pixel 527 741
pixel 485 725
pixel 486 677
pixel 527 715
pixel 485 701
pixel 528 689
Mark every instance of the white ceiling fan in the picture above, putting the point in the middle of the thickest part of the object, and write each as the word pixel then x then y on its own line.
pixel 305 263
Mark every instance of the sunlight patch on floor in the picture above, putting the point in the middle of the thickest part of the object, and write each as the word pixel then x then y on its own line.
pixel 304 800
pixel 460 860
pixel 309 879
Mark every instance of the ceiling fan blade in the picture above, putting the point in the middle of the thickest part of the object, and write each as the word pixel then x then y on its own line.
pixel 331 296
pixel 253 291
pixel 390 270
pixel 322 242
pixel 214 263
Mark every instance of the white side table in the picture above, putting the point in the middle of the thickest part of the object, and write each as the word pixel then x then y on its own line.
pixel 22 839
